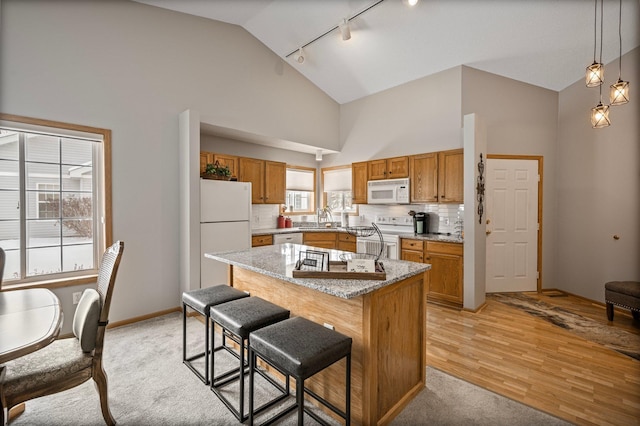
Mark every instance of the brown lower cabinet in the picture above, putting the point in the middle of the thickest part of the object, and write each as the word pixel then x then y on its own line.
pixel 330 240
pixel 346 242
pixel 261 240
pixel 446 274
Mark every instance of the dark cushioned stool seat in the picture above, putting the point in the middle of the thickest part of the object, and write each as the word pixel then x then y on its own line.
pixel 301 348
pixel 201 300
pixel 625 294
pixel 239 318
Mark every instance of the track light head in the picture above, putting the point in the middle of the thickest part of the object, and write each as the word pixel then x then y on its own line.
pixel 300 56
pixel 345 30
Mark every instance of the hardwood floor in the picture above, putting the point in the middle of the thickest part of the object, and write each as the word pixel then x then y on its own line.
pixel 529 360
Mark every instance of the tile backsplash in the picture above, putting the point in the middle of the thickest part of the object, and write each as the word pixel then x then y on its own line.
pixel 442 217
pixel 264 216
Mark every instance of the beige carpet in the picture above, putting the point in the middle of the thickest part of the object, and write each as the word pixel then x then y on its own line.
pixel 149 385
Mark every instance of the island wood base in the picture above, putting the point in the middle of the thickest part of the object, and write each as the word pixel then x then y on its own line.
pixel 388 328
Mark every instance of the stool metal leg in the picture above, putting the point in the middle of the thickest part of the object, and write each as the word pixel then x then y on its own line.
pixel 252 365
pixel 188 360
pixel 206 346
pixel 348 391
pixel 184 332
pixel 300 400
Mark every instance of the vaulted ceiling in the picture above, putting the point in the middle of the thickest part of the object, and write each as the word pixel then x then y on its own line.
pixel 547 43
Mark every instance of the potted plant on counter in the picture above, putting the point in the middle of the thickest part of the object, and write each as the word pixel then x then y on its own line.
pixel 216 171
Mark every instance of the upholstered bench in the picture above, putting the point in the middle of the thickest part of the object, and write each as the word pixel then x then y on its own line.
pixel 625 294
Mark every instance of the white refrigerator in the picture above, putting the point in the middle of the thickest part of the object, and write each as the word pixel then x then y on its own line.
pixel 225 225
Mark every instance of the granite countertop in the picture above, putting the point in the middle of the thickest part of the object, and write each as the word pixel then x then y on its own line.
pixel 278 261
pixel 425 237
pixel 271 231
pixel 434 237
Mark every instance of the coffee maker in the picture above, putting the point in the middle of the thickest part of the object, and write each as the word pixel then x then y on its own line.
pixel 420 223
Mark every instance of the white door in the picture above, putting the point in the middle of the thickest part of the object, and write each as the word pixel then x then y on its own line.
pixel 512 225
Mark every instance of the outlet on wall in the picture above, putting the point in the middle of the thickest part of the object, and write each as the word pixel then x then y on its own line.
pixel 76 297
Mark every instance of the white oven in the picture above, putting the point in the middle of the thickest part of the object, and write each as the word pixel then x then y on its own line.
pixel 391 228
pixel 371 245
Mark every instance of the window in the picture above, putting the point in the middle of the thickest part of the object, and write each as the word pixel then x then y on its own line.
pixel 48 199
pixel 53 200
pixel 301 190
pixel 336 183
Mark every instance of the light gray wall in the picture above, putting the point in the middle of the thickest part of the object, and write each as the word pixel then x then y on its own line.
pixel 520 119
pixel 246 149
pixel 134 68
pixel 413 118
pixel 598 187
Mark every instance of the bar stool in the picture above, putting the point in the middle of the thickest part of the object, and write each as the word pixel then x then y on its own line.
pixel 300 348
pixel 200 301
pixel 237 319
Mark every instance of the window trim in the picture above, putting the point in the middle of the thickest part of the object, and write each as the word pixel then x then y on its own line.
pixel 314 197
pixel 106 190
pixel 324 193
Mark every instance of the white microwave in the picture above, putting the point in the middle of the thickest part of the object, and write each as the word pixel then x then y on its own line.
pixel 388 191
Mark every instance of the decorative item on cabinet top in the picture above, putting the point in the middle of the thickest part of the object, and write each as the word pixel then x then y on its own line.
pixel 216 171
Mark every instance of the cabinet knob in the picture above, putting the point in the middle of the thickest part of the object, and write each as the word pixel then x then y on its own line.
pixel 488 232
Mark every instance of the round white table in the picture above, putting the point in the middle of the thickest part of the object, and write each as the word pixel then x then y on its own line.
pixel 30 319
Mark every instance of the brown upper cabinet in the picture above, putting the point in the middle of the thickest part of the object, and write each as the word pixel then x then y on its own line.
pixel 205 158
pixel 359 182
pixel 424 178
pixel 230 161
pixel 437 177
pixel 450 176
pixel 388 168
pixel 268 179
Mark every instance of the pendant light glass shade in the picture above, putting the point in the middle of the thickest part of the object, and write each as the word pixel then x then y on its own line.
pixel 600 116
pixel 595 75
pixel 619 94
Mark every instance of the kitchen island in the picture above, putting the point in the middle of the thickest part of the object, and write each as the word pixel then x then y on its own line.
pixel 385 318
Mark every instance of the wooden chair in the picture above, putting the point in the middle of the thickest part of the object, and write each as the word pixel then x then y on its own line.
pixel 67 363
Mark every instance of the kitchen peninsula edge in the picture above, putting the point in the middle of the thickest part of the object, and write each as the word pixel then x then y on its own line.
pixel 385 318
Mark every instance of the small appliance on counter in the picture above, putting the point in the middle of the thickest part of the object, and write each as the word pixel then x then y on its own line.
pixel 420 223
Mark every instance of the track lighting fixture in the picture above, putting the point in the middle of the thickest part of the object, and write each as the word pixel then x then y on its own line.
pixel 345 30
pixel 412 2
pixel 343 26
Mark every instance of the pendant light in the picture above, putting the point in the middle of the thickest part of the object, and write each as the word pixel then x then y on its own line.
pixel 600 116
pixel 619 94
pixel 595 71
